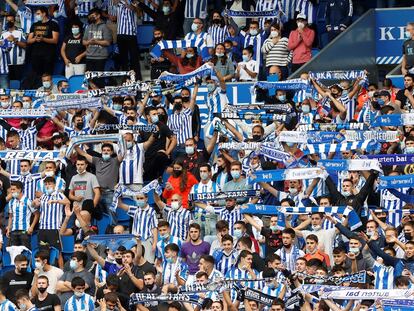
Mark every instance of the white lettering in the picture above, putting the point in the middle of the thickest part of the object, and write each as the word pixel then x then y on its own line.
pixel 386 33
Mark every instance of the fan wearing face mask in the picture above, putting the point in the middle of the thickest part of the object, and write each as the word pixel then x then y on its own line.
pixel 50 170
pixel 23 301
pixel 42 295
pixel 306 116
pixel 177 216
pixel 46 276
pixel 16 279
pixel 78 128
pixel 80 301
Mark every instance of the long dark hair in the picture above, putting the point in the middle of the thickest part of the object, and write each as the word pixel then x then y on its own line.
pixel 215 59
pixel 183 177
pixel 190 61
pixel 222 23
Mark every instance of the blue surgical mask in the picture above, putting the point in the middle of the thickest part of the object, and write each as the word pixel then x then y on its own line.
pixel 211 87
pixel 75 31
pixel 290 145
pixel 117 107
pixel 26 105
pixel 189 55
pixel 129 144
pixel 49 191
pixel 194 27
pixel 219 54
pixel 235 174
pixel 140 203
pixel 273 228
pixel 253 32
pixel 56 14
pixel 106 157
pixel 154 119
pixel 189 150
pixel 73 264
pixel 354 250
pixel 305 109
pixel 380 101
pixel 282 98
pixel 245 58
pixel 166 9
pixel 46 84
pixel 409 150
pixel 15 195
pixel 65 90
pixel 237 233
pixel 38 17
pixel 169 260
pixel 346 193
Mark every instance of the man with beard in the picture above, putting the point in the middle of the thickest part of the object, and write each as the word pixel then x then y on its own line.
pixel 152 288
pixel 18 278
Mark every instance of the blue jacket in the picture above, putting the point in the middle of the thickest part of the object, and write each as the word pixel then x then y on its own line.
pixel 339 14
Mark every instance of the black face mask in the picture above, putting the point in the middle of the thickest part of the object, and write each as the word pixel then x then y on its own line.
pixel 257 137
pixel 23 270
pixel 177 173
pixel 131 119
pixel 118 261
pixel 24 126
pixel 162 118
pixel 383 219
pixel 150 286
pixel 178 106
pixel 157 38
pixel 79 125
pixel 186 99
pixel 155 102
pixel 407 236
pixel 42 289
pixel 230 208
pixel 391 244
pixel 9 25
pixel 216 21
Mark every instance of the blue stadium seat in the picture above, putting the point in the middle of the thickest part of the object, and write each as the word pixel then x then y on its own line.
pixel 315 52
pixel 103 223
pixel 68 243
pixel 6 269
pixel 144 36
pixel 34 240
pixel 6 259
pixel 14 84
pixel 57 78
pixel 122 217
pixel 75 83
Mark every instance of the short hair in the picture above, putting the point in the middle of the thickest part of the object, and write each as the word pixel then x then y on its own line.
pixel 106 145
pixel 314 262
pixel 112 280
pixel 240 222
pixel 337 269
pixel 77 281
pixel 205 165
pixel 20 258
pixel 222 224
pixel 13 133
pixel 208 258
pixel 246 241
pixel 42 9
pixel 80 256
pixel 227 237
pixel 59 84
pixel 271 257
pixel 255 23
pixel 278 302
pixel 195 226
pixel 401 281
pixel 289 231
pixel 111 297
pixel 338 250
pixel 244 253
pixel 236 163
pixel 172 247
pixel 175 305
pixel 409 75
pixel 131 252
pixel 43 277
pixel 49 179
pixel 289 201
pixel 163 223
pixel 149 272
pixel 22 294
pixel 17 184
pixel 200 274
pixel 42 255
pixel 313 238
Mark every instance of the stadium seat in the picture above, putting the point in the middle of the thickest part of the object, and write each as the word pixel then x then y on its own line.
pixel 103 223
pixel 57 78
pixel 6 259
pixel 75 83
pixel 315 52
pixel 15 84
pixel 68 243
pixel 122 217
pixel 53 256
pixel 144 36
pixel 34 240
pixel 5 269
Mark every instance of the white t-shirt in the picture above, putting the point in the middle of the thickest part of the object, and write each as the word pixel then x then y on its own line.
pixel 251 65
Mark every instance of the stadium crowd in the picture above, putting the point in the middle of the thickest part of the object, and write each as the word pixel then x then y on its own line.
pixel 124 196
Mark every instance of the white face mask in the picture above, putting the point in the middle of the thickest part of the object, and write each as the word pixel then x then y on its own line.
pixel 49 173
pixel 77 223
pixel 175 205
pixel 274 33
pixel 301 25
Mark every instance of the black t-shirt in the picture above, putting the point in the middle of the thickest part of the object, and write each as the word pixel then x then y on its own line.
pixel 192 163
pixel 146 267
pixel 74 48
pixel 160 141
pixel 15 282
pixel 126 286
pixel 273 240
pixel 48 304
pixel 44 30
pixel 405 103
pixel 408 51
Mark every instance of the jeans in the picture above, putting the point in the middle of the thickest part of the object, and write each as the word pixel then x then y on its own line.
pixel 4 81
pixel 106 202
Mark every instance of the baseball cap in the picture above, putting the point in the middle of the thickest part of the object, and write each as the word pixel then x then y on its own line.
pixel 301 16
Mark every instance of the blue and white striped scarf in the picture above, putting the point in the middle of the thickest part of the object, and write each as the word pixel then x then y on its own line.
pixel 25 113
pixel 41 2
pixel 122 190
pixel 31 155
pixel 253 14
pixel 367 145
pixel 88 139
pixel 288 174
pixel 82 103
pixel 293 84
pixel 203 71
pixel 21 93
pixel 395 182
pixel 112 241
pixel 199 43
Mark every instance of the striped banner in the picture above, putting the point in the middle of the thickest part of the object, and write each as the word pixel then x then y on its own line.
pixel 387 60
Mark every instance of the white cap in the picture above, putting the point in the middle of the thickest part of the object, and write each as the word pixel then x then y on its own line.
pixel 301 16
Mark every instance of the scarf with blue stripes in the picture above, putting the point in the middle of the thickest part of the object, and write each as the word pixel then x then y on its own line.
pixel 199 43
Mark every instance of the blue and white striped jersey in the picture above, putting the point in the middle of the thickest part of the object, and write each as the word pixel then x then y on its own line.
pixel 144 220
pixel 126 20
pixel 181 124
pixel 306 7
pixel 199 214
pixel 384 276
pixel 169 270
pixel 16 55
pixel 202 35
pixel 216 102
pixel 218 34
pixel 288 7
pixel 51 214
pixel 60 185
pixel 224 214
pixel 131 168
pixel 84 303
pixel 25 16
pixel 162 243
pixel 21 211
pixel 256 42
pixel 28 137
pixel 7 305
pixel 195 8
pixel 146 17
pixel 29 182
pixel 224 262
pixel 4 67
pixel 265 5
pixel 179 221
pixel 237 273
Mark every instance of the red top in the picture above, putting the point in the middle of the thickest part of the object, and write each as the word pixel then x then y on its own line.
pixel 175 183
pixel 301 45
pixel 177 61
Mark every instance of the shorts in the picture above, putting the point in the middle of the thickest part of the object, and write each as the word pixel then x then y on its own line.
pixel 50 237
pixel 19 237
